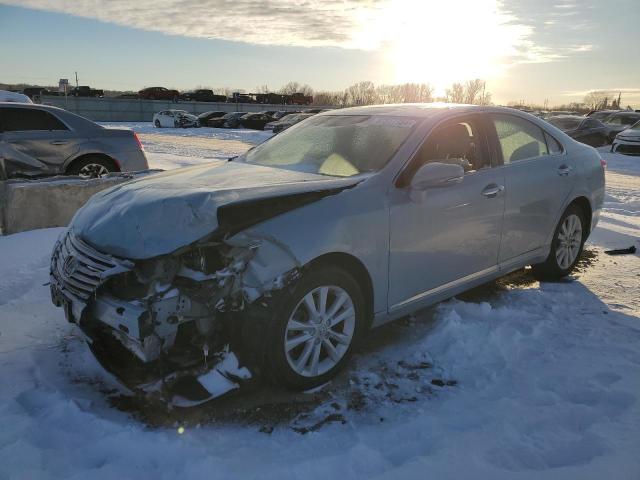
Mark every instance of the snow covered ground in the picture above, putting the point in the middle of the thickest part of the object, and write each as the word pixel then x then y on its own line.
pixel 514 380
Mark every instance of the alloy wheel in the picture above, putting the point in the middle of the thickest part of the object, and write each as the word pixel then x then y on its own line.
pixel 93 170
pixel 569 241
pixel 319 331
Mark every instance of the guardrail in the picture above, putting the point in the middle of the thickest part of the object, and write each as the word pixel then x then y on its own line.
pixel 108 109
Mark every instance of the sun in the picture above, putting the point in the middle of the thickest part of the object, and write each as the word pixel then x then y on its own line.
pixel 441 42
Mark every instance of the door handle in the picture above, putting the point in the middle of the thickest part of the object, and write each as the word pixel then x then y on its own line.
pixel 490 191
pixel 59 142
pixel 564 170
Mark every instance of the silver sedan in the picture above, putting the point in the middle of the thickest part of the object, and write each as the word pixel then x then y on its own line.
pixel 39 140
pixel 281 260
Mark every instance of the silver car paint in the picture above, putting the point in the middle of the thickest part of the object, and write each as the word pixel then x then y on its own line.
pixel 377 223
pixel 36 153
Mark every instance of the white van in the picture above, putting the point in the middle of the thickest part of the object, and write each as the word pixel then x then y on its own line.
pixel 6 96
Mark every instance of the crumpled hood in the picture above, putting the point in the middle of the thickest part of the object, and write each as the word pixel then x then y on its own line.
pixel 158 214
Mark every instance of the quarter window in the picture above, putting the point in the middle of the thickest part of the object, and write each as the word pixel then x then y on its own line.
pixel 28 119
pixel 553 145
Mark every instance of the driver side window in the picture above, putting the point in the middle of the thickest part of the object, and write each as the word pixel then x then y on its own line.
pixel 460 142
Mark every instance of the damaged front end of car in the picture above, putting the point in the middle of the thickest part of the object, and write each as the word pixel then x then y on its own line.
pixel 167 325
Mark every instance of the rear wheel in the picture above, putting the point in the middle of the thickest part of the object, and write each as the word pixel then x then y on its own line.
pixel 566 247
pixel 92 167
pixel 315 327
pixel 157 123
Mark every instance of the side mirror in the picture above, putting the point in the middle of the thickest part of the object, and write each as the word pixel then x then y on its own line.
pixel 436 174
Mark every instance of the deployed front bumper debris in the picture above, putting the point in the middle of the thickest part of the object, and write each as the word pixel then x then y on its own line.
pixel 164 325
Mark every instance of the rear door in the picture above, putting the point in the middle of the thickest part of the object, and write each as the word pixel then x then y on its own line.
pixel 34 141
pixel 538 178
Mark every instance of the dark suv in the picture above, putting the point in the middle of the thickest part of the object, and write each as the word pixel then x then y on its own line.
pixel 203 95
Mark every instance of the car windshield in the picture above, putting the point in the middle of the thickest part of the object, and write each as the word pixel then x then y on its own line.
pixel 622 119
pixel 340 145
pixel 565 123
pixel 180 112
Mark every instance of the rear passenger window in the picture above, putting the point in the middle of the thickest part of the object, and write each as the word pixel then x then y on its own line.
pixel 519 139
pixel 28 119
pixel 553 145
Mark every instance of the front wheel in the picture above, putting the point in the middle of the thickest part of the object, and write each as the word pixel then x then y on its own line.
pixel 315 328
pixel 157 123
pixel 566 246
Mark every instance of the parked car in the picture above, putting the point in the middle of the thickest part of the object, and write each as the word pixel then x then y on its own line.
pixel 15 97
pixel 587 130
pixel 280 114
pixel 228 120
pixel 601 114
pixel 255 121
pixel 39 140
pixel 203 95
pixel 628 141
pixel 159 93
pixel 213 274
pixel 287 122
pixel 86 91
pixel 204 118
pixel 619 121
pixel 175 119
pixel 33 92
pixel 237 97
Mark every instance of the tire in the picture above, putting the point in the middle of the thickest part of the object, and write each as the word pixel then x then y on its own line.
pixel 291 321
pixel 561 261
pixel 157 124
pixel 92 167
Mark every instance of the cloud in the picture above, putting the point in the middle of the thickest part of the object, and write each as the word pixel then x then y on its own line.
pixel 283 22
pixel 630 91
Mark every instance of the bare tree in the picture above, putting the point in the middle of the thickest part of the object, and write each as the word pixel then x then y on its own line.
pixel 455 94
pixel 596 99
pixel 472 90
pixel 262 89
pixel 296 87
pixel 362 93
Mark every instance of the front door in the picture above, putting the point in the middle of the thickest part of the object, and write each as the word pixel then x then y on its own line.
pixel 443 234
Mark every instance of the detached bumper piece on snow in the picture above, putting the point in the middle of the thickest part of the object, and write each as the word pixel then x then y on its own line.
pixel 163 326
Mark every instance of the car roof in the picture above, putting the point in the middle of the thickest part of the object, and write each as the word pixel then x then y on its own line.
pixel 407 109
pixel 569 117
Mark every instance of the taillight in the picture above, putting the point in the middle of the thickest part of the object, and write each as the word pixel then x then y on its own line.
pixel 135 135
pixel 603 163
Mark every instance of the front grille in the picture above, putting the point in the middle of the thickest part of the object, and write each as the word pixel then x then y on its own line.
pixel 80 269
pixel 634 149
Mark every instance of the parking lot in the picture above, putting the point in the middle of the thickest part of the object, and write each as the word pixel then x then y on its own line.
pixel 532 375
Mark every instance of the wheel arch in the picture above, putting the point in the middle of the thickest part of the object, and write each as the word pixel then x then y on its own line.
pixel 97 155
pixel 584 204
pixel 354 266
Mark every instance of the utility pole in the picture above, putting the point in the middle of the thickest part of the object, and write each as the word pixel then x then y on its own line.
pixel 76 80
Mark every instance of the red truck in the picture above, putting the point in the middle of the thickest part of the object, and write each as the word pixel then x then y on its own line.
pixel 159 93
pixel 300 99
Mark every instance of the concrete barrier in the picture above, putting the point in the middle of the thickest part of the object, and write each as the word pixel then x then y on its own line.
pixel 50 202
pixel 110 109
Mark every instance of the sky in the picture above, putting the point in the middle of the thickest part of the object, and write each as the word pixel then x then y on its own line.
pixel 526 50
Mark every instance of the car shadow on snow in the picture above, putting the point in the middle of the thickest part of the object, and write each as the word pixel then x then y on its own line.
pixel 385 371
